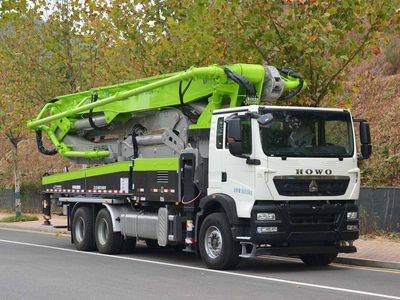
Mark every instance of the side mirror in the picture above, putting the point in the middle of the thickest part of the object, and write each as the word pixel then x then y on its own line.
pixel 366 151
pixel 365 135
pixel 365 139
pixel 234 136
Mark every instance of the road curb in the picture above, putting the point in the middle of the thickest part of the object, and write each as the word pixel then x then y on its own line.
pixel 368 263
pixel 42 228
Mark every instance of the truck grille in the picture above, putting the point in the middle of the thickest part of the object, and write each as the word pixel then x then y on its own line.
pixel 311 186
pixel 313 221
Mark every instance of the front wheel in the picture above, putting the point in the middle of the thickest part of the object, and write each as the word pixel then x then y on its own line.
pixel 218 250
pixel 321 259
pixel 107 241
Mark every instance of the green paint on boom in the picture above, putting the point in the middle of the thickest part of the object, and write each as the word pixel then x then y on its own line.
pixel 119 102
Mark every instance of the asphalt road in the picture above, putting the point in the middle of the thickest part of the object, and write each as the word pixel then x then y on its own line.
pixel 45 266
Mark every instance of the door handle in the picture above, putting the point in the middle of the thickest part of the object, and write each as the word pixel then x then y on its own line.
pixel 251 161
pixel 223 176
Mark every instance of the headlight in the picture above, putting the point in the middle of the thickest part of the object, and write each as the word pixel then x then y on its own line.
pixel 267 229
pixel 352 215
pixel 266 217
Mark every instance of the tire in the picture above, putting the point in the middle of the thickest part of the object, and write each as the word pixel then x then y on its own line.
pixel 83 229
pixel 107 241
pixel 218 250
pixel 321 259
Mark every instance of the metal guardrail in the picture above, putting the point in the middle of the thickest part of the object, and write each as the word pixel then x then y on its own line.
pixel 7 199
pixel 31 202
pixel 381 208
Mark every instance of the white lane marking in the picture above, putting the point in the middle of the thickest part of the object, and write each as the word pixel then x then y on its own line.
pixel 270 257
pixel 338 265
pixel 297 283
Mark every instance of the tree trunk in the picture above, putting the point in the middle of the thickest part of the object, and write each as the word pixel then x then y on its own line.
pixel 17 179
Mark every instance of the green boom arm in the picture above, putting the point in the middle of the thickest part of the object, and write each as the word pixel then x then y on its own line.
pixel 57 118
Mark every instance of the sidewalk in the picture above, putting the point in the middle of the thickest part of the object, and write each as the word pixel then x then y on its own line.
pixel 38 225
pixel 378 253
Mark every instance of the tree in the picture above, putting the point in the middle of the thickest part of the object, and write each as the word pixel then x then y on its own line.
pixel 320 39
pixel 41 58
pixel 12 105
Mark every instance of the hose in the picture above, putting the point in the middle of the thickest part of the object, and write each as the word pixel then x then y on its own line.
pixel 90 117
pixel 41 148
pixel 251 90
pixel 135 145
pixel 190 201
pixel 293 74
pixel 187 113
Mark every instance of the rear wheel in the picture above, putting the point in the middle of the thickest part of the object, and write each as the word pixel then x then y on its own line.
pixel 217 247
pixel 107 241
pixel 82 229
pixel 321 259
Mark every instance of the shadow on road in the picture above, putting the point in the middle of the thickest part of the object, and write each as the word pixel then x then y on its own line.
pixel 260 265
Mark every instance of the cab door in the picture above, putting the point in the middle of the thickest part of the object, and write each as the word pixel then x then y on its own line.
pixel 237 177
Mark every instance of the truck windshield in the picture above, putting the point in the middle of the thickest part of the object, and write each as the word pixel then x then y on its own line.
pixel 304 133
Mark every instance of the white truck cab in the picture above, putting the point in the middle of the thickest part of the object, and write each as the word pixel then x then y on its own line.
pixel 292 173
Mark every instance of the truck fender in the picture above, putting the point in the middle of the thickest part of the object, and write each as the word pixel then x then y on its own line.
pixel 221 200
pixel 115 212
pixel 208 204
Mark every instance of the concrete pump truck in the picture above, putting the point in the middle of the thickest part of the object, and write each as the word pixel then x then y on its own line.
pixel 195 160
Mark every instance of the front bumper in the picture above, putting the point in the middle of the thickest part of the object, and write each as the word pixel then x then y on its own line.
pixel 304 227
pixel 295 250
